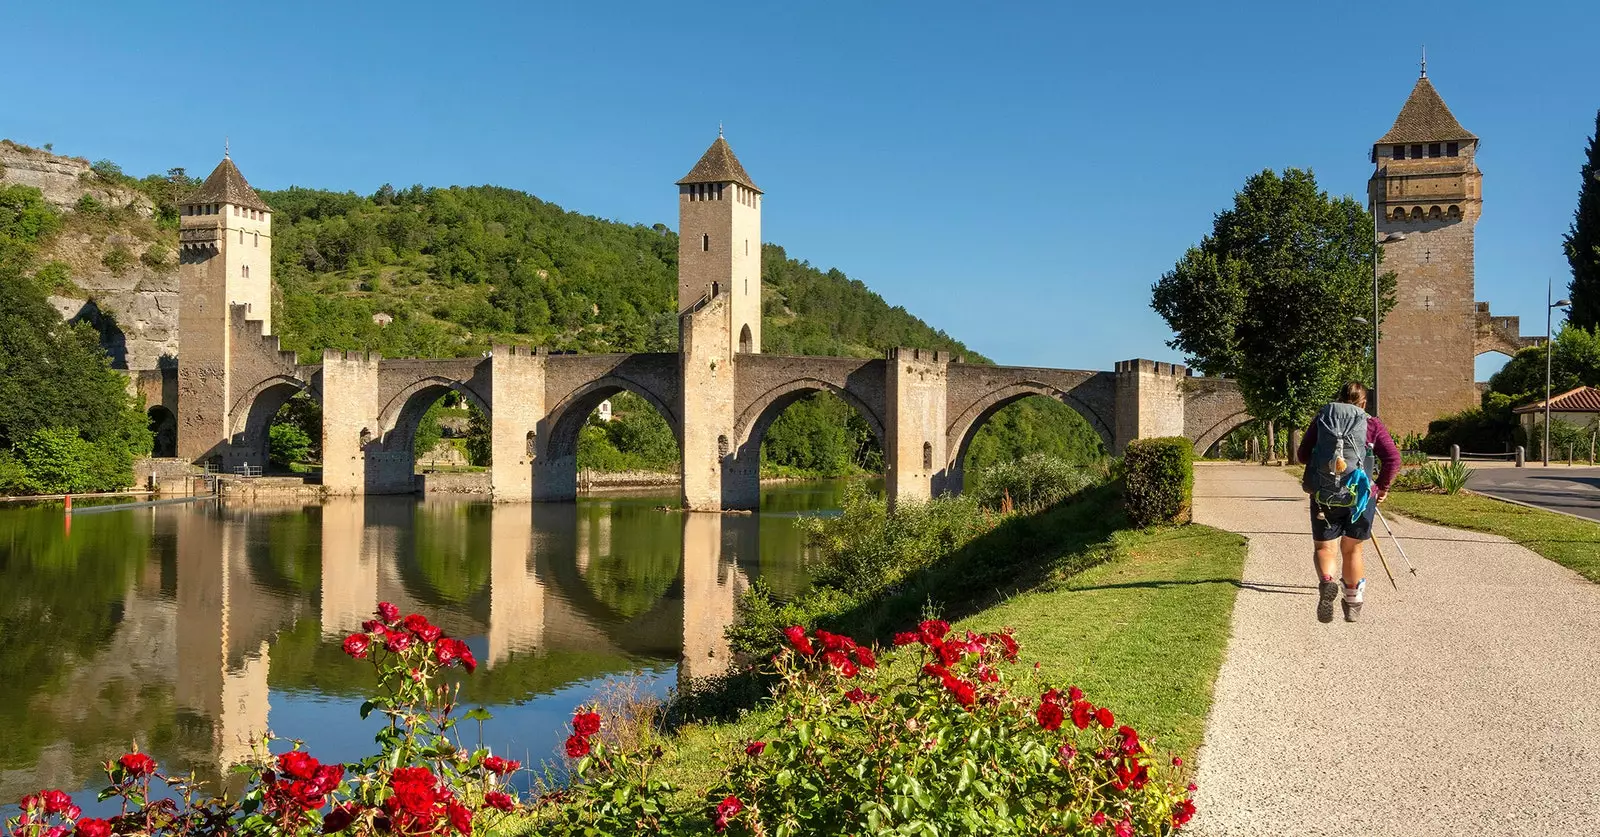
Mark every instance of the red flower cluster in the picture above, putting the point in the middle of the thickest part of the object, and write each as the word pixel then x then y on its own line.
pixel 754 748
pixel 399 635
pixel 584 725
pixel 963 691
pixel 421 805
pixel 137 764
pixel 837 650
pixel 37 806
pixel 500 767
pixel 91 827
pixel 727 809
pixel 499 801
pixel 301 784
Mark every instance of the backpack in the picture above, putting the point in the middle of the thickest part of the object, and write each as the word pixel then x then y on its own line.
pixel 1341 441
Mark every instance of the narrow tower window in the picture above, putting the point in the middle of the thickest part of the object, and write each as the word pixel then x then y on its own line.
pixel 1452 149
pixel 1399 152
pixel 705 243
pixel 1433 150
pixel 1416 150
pixel 244 271
pixel 722 446
pixel 747 343
pixel 927 456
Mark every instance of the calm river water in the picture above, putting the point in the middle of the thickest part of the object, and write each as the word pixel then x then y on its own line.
pixel 192 628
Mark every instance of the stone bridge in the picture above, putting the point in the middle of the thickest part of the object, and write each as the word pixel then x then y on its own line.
pixel 719 393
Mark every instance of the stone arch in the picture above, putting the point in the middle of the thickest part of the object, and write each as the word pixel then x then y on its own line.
pixel 1399 213
pixel 1435 213
pixel 1416 213
pixel 556 442
pixel 252 415
pixel 1214 434
pixel 164 429
pixel 964 428
pixel 746 343
pixel 742 471
pixel 1454 212
pixel 399 419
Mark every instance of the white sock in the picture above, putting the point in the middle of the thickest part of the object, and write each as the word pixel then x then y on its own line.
pixel 1356 594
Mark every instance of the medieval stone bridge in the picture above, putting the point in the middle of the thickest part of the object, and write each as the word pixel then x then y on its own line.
pixel 718 393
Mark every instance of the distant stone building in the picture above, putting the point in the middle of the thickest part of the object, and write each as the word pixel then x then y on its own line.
pixel 1578 407
pixel 382 318
pixel 1426 187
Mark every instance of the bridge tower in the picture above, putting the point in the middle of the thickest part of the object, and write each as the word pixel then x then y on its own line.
pixel 1426 186
pixel 719 319
pixel 225 260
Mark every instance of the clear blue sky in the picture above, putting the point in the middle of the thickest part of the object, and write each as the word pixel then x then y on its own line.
pixel 1016 174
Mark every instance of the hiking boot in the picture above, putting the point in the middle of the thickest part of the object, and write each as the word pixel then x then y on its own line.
pixel 1353 596
pixel 1352 610
pixel 1327 591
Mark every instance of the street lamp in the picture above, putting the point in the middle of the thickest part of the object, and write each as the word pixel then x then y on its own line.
pixel 1388 239
pixel 1549 353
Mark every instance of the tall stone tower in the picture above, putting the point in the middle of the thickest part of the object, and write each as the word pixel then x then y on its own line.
pixel 225 259
pixel 1426 186
pixel 719 241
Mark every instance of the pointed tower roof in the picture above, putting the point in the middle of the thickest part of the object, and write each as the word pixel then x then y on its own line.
pixel 227 185
pixel 718 165
pixel 1425 118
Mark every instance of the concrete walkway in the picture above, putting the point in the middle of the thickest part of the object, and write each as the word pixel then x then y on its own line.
pixel 1466 703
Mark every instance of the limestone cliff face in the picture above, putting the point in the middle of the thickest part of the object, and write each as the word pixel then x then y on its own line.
pixel 121 267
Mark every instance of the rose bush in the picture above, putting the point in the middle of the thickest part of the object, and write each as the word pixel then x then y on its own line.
pixel 959 740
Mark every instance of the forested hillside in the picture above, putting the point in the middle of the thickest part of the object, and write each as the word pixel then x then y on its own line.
pixel 438 272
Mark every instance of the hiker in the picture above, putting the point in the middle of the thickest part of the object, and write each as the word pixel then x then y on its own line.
pixel 1337 451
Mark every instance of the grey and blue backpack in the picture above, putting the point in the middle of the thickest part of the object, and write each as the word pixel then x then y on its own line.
pixel 1340 451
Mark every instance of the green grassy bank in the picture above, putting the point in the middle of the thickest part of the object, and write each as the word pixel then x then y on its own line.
pixel 1568 541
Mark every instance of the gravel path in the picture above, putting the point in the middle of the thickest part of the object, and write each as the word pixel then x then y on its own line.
pixel 1466 703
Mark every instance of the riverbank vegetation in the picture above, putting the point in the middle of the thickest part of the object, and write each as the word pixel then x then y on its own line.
pixel 67 423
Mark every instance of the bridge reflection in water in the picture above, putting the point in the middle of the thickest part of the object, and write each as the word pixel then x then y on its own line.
pixel 226 621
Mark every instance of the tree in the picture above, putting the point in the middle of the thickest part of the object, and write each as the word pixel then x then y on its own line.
pixel 1271 296
pixel 1583 241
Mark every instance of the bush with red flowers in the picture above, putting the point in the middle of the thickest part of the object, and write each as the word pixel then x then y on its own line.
pixel 422 781
pixel 966 743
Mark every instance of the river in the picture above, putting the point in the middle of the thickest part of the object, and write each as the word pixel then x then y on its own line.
pixel 191 629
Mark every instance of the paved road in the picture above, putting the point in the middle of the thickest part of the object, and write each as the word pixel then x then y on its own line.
pixel 1571 490
pixel 1462 704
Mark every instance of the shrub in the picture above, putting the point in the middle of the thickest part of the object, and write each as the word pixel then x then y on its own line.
pixel 1476 430
pixel 954 746
pixel 1564 436
pixel 288 444
pixel 1159 476
pixel 1448 477
pixel 1033 481
pixel 865 549
pixel 118 259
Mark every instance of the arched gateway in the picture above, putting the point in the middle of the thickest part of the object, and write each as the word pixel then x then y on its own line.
pixel 719 393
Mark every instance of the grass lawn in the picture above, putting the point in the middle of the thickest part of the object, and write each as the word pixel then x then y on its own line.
pixel 1143 633
pixel 1572 543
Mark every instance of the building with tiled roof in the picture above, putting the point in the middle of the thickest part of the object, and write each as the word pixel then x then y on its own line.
pixel 1579 407
pixel 1425 118
pixel 719 165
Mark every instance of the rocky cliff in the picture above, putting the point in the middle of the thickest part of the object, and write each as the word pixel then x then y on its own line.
pixel 113 265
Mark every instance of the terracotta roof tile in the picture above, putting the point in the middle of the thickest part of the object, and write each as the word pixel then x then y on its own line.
pixel 718 165
pixel 1425 118
pixel 227 185
pixel 1580 400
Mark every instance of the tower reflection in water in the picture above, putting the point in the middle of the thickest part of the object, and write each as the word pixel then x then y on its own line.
pixel 238 613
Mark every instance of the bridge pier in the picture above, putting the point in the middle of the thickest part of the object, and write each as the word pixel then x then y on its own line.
pixel 914 450
pixel 517 406
pixel 706 400
pixel 350 430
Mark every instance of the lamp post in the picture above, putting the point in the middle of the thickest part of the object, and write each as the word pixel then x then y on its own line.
pixel 1388 239
pixel 1549 354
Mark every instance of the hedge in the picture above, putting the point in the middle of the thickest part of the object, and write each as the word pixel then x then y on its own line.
pixel 1159 479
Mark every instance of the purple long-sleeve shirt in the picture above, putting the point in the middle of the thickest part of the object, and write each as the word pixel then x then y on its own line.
pixel 1378 440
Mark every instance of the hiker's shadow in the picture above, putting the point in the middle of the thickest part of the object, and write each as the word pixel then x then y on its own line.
pixel 1256 586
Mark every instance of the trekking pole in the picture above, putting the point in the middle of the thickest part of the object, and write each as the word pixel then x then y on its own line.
pixel 1396 540
pixel 1385 563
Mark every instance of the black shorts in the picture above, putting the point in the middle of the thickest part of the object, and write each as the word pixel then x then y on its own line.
pixel 1335 523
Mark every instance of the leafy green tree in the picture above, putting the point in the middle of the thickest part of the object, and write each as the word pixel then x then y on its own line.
pixel 1583 241
pixel 429 431
pixel 1576 363
pixel 480 445
pixel 287 444
pixel 1271 295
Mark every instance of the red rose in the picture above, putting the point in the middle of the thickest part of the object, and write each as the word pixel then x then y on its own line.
pixel 1125 828
pixel 1104 716
pixel 1008 644
pixel 340 818
pixel 138 764
pixel 797 638
pixel 327 778
pixel 1182 813
pixel 460 817
pixel 1050 716
pixel 1051 696
pixel 55 801
pixel 499 801
pixel 1066 753
pixel 1177 761
pixel 964 692
pixel 950 653
pixel 1193 787
pixel 298 764
pixel 834 642
pixel 468 662
pixel 500 766
pixel 372 625
pixel 445 652
pixel 91 827
pixel 905 638
pixel 586 723
pixel 935 670
pixel 416 796
pixel 388 613
pixel 856 695
pixel 429 633
pixel 577 746
pixel 754 748
pixel 727 809
pixel 987 674
pixel 1098 819
pixel 865 657
pixel 397 642
pixel 356 645
pixel 1074 693
pixel 933 631
pixel 1082 712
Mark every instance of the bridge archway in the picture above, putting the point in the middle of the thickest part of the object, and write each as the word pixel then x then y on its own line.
pixel 965 427
pixel 253 413
pixel 391 457
pixel 1218 431
pixel 556 441
pixel 742 461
